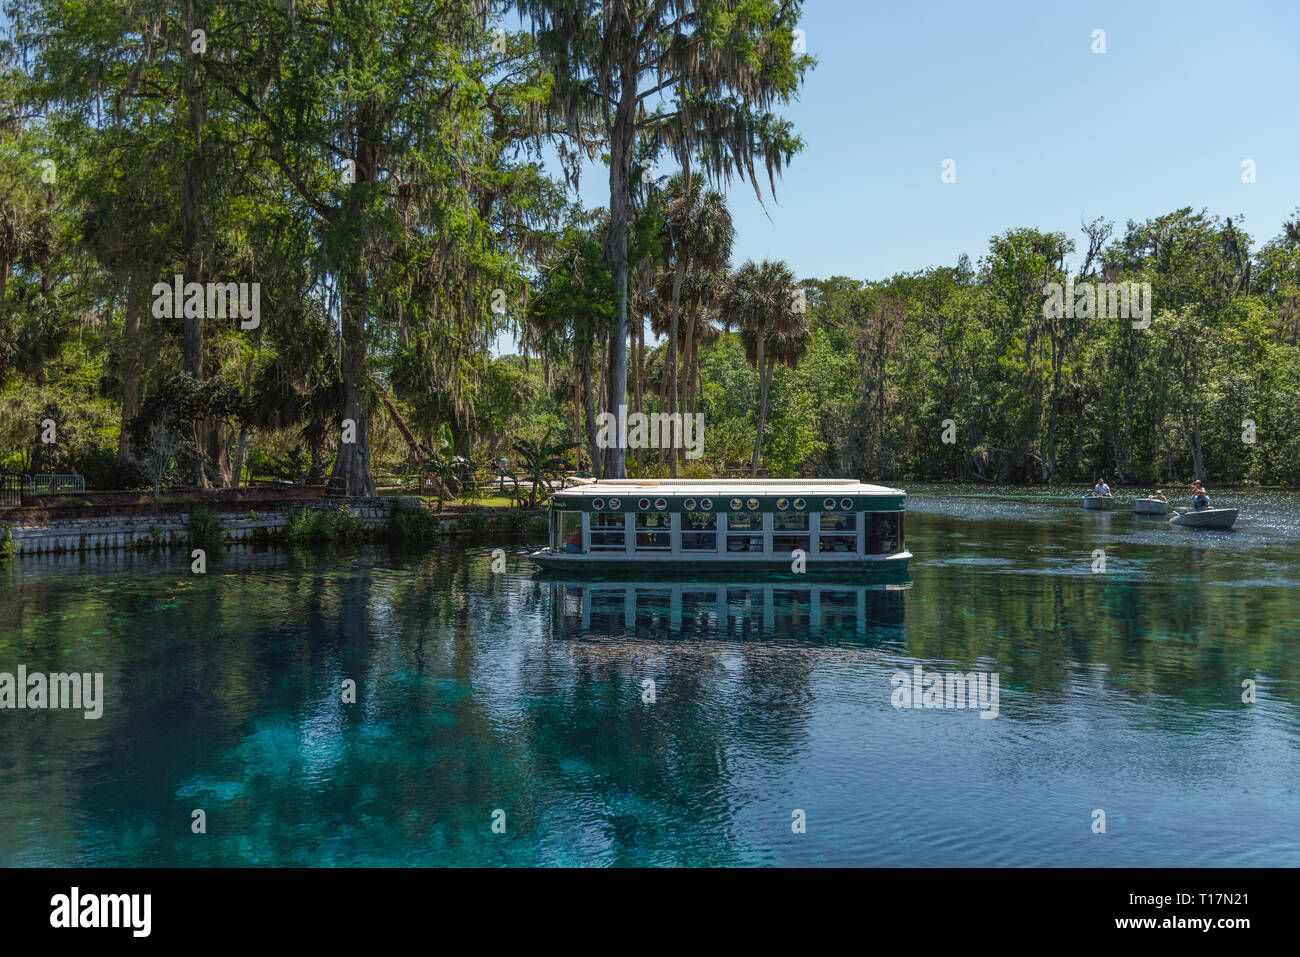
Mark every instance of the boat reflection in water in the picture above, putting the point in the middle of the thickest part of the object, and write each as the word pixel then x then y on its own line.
pixel 794 611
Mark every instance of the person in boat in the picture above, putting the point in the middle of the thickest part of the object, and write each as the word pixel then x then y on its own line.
pixel 1200 497
pixel 574 544
pixel 1101 488
pixel 1160 496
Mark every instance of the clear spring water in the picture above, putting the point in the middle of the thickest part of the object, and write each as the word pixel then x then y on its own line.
pixel 1119 691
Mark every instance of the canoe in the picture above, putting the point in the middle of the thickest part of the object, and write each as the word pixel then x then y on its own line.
pixel 1150 506
pixel 1098 503
pixel 1205 517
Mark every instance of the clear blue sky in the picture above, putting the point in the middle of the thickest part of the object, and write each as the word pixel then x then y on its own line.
pixel 1044 132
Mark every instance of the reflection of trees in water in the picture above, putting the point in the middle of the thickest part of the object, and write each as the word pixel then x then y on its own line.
pixel 1167 627
pixel 223 692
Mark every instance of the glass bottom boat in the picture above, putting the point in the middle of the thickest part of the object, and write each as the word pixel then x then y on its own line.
pixel 728 527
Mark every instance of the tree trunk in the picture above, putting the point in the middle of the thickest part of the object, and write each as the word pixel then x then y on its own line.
pixel 1198 461
pixel 1049 459
pixel 133 367
pixel 622 141
pixel 352 467
pixel 241 457
pixel 597 467
pixel 217 434
pixel 673 405
pixel 688 396
pixel 577 400
pixel 191 221
pixel 762 405
pixel 638 368
pixel 400 422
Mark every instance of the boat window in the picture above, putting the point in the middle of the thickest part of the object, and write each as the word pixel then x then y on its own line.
pixel 699 532
pixel 607 531
pixel 745 532
pixel 652 533
pixel 843 527
pixel 790 532
pixel 884 533
pixel 840 523
pixel 566 532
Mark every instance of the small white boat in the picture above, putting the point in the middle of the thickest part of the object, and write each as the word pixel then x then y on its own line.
pixel 1099 503
pixel 1150 506
pixel 1205 517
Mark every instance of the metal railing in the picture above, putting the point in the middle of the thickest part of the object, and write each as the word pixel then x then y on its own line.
pixel 55 484
pixel 13 487
pixel 11 490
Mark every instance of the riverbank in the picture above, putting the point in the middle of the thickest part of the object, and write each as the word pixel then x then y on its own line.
pixel 214 520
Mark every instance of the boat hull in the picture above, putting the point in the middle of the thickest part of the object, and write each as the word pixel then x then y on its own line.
pixel 1150 506
pixel 1098 503
pixel 1205 518
pixel 891 568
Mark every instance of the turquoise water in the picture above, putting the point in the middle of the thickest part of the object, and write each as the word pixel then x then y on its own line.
pixel 1119 690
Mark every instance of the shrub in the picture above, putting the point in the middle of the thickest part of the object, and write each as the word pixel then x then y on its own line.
pixel 474 521
pixel 413 524
pixel 517 520
pixel 103 469
pixel 6 541
pixel 323 526
pixel 205 527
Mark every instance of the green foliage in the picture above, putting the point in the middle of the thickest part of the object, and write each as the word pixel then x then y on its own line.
pixel 205 527
pixel 540 462
pixel 315 526
pixel 413 524
pixel 6 541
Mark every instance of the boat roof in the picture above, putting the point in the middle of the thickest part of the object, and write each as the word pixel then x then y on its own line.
pixel 728 487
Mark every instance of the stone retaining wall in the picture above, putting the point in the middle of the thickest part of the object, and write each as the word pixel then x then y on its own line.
pixel 38 531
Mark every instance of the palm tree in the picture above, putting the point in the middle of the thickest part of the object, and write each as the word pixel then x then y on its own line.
pixel 761 301
pixel 697 238
pixel 542 461
pixel 718 67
